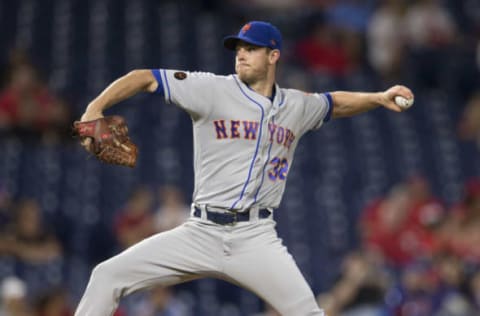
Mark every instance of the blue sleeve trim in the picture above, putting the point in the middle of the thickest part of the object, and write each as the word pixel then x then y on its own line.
pixel 158 76
pixel 330 107
pixel 168 87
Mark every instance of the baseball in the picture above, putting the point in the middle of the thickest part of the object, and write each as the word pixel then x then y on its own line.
pixel 402 102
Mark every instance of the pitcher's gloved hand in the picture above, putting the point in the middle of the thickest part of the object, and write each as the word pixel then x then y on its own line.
pixel 109 140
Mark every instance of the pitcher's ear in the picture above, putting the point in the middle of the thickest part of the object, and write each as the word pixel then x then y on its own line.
pixel 274 56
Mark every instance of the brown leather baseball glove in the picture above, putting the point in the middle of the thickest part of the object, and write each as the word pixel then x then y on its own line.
pixel 109 140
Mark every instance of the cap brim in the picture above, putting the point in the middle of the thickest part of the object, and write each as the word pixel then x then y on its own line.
pixel 230 42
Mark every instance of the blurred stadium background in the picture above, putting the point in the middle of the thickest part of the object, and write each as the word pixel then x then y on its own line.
pixel 61 213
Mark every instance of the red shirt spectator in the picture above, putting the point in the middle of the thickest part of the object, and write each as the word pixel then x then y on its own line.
pixel 26 111
pixel 461 232
pixel 323 52
pixel 388 229
pixel 26 102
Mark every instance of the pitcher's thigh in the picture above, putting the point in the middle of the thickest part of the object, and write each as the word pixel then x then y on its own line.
pixel 163 259
pixel 272 274
pixel 181 254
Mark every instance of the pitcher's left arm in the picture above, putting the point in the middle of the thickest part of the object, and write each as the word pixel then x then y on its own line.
pixel 347 104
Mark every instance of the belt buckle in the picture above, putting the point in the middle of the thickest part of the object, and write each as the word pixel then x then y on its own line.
pixel 235 218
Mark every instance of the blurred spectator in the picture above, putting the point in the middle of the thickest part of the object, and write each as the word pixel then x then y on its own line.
pixel 135 222
pixel 13 298
pixel 386 40
pixel 474 289
pixel 449 298
pixel 160 301
pixel 53 303
pixel 173 210
pixel 360 289
pixel 429 25
pixel 387 229
pixel 322 50
pixel 427 212
pixel 26 104
pixel 460 234
pixel 430 32
pixel 28 239
pixel 32 247
pixel 417 286
pixel 350 19
pixel 5 207
pixel 350 15
pixel 469 124
pixel 5 218
pixel 434 288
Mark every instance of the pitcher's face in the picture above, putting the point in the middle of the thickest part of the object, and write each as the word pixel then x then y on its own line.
pixel 251 62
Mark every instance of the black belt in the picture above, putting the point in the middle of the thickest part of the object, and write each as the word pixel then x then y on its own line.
pixel 230 217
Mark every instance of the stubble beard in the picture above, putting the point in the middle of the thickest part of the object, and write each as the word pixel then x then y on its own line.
pixel 251 77
pixel 246 78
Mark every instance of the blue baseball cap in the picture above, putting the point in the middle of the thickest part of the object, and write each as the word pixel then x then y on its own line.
pixel 257 33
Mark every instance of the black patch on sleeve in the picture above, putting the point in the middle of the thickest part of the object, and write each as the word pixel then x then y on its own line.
pixel 180 75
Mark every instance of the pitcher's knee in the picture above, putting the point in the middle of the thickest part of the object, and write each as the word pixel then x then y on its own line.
pixel 104 273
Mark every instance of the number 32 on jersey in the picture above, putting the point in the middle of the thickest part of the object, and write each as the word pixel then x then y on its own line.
pixel 279 169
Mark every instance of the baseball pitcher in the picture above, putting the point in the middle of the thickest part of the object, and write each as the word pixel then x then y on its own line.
pixel 245 130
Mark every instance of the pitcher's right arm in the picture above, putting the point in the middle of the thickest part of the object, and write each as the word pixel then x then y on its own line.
pixel 136 81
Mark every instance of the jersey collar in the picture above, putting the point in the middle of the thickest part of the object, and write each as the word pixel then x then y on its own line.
pixel 275 100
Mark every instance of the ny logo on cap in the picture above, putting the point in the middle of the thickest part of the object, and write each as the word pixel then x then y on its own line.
pixel 246 27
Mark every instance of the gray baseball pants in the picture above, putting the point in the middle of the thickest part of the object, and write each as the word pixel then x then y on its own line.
pixel 248 254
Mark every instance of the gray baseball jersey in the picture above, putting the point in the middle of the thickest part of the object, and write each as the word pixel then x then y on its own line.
pixel 244 145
